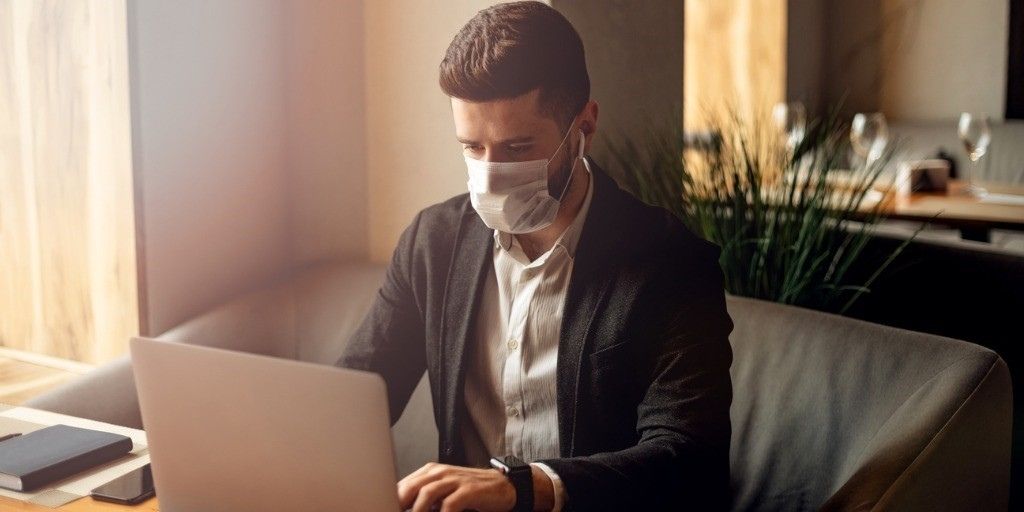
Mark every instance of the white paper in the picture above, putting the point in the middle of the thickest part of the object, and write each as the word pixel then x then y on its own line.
pixel 83 483
pixel 1008 199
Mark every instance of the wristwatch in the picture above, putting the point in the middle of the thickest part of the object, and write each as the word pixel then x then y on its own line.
pixel 521 476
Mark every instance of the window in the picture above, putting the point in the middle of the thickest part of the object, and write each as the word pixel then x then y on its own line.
pixel 67 230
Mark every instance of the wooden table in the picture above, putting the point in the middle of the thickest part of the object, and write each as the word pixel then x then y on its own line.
pixel 86 504
pixel 975 219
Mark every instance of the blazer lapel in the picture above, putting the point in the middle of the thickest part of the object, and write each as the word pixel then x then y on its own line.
pixel 470 261
pixel 589 286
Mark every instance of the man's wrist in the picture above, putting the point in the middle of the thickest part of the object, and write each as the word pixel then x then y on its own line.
pixel 543 489
pixel 520 475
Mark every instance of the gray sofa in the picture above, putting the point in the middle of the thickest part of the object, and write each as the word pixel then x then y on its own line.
pixel 829 412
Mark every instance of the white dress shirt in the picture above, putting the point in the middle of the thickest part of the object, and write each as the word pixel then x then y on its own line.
pixel 510 376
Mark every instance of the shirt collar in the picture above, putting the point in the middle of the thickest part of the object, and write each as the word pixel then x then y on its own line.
pixel 571 236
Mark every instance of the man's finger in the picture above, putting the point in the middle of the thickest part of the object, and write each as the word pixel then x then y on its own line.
pixel 409 487
pixel 457 501
pixel 433 493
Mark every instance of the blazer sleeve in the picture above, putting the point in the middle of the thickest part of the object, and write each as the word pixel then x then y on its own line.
pixel 390 339
pixel 681 461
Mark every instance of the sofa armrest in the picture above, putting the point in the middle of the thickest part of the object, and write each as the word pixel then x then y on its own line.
pixel 926 459
pixel 106 394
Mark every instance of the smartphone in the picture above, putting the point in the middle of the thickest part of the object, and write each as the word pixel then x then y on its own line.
pixel 129 489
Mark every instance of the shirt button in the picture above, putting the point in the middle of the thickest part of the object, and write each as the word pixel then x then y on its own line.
pixel 513 412
pixel 513 344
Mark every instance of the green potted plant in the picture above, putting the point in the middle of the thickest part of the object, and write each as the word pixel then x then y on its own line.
pixel 791 219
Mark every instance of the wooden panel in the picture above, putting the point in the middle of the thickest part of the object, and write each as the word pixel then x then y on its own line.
pixel 734 58
pixel 67 257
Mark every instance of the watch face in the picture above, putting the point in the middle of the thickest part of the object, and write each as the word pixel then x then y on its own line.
pixel 507 463
pixel 499 464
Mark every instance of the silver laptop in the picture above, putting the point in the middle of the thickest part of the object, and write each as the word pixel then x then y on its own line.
pixel 232 431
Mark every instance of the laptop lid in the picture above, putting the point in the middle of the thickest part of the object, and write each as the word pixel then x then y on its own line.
pixel 237 431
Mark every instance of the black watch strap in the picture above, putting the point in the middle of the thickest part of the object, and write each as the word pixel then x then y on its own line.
pixel 521 476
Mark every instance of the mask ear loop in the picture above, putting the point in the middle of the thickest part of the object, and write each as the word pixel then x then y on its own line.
pixel 579 156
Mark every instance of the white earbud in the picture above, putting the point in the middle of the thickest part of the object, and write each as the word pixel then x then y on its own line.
pixel 583 144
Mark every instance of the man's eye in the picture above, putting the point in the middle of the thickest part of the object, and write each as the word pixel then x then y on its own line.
pixel 517 149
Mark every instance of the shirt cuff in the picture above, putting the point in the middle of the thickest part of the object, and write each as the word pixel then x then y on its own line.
pixel 556 482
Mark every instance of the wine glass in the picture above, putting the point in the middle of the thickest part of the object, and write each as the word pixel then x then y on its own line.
pixel 869 134
pixel 791 119
pixel 976 135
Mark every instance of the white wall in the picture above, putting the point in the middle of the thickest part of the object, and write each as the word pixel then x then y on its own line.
pixel 412 156
pixel 326 125
pixel 207 85
pixel 943 57
pixel 248 142
pixel 915 60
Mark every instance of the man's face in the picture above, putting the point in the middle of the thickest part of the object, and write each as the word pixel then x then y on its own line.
pixel 513 130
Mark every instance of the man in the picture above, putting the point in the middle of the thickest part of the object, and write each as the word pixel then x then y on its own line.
pixel 559 319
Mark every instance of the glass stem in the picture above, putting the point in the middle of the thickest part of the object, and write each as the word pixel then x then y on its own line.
pixel 970 175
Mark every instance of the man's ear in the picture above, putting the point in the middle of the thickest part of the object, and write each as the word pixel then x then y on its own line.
pixel 589 122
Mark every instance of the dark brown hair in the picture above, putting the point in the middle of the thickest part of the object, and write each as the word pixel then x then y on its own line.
pixel 513 48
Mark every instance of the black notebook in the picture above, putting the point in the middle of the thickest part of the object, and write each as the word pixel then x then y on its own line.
pixel 30 461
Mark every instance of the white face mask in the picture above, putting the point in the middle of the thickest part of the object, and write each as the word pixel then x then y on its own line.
pixel 513 196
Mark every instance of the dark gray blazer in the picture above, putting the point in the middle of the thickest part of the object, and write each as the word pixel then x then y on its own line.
pixel 643 356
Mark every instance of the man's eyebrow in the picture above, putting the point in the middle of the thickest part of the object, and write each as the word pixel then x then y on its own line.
pixel 514 140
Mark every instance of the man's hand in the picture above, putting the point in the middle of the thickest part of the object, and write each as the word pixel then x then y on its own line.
pixel 454 489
